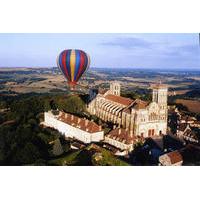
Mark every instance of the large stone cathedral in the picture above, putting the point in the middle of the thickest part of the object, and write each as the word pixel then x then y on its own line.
pixel 140 118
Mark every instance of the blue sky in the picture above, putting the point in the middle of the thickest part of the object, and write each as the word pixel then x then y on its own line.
pixel 106 50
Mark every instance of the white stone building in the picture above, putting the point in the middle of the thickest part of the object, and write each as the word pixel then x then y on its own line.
pixel 74 127
pixel 143 118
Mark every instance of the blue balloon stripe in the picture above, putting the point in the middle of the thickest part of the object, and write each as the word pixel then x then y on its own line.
pixel 77 64
pixel 81 67
pixel 68 64
pixel 84 66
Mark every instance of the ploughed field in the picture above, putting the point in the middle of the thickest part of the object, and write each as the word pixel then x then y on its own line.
pixel 192 105
pixel 45 80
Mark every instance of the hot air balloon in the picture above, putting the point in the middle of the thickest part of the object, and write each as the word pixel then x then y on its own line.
pixel 73 63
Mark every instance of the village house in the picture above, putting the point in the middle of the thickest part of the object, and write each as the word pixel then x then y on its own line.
pixel 196 124
pixel 186 133
pixel 186 119
pixel 173 158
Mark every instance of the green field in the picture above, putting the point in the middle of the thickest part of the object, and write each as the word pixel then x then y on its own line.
pixel 86 157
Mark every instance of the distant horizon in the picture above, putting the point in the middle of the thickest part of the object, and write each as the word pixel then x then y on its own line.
pixel 147 50
pixel 117 68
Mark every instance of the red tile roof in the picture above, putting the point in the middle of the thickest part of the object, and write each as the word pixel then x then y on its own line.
pixel 123 136
pixel 83 124
pixel 139 104
pixel 118 99
pixel 175 157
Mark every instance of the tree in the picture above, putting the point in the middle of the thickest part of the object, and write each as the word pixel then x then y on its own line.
pixel 72 104
pixel 57 148
pixel 3 104
pixel 1 119
pixel 47 106
pixel 53 105
pixel 43 137
pixel 27 155
pixel 32 122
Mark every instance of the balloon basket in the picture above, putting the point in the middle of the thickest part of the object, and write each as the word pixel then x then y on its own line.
pixel 72 86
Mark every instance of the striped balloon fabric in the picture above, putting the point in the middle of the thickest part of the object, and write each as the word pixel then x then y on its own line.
pixel 73 63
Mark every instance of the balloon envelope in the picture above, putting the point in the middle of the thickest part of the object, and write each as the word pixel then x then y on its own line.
pixel 73 63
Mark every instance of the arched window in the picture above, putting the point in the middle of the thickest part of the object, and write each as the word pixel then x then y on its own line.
pixel 151 132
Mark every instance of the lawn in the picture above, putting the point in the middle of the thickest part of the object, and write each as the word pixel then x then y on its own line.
pixel 108 159
pixel 86 157
pixel 68 159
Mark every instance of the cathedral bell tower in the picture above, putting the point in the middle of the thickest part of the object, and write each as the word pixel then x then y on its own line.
pixel 159 95
pixel 115 88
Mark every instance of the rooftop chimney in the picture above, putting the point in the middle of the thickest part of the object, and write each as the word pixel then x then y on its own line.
pixel 72 117
pixel 100 128
pixel 79 119
pixel 114 126
pixel 65 115
pixel 119 130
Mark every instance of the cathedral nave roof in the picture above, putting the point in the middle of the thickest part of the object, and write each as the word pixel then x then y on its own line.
pixel 137 104
pixel 118 99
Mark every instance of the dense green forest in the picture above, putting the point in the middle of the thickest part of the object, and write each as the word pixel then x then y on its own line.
pixel 22 140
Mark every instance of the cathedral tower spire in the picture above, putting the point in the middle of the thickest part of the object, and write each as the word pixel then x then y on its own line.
pixel 160 94
pixel 115 88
